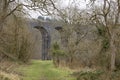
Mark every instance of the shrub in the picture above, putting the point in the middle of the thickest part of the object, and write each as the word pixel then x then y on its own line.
pixel 57 54
pixel 89 75
pixel 98 75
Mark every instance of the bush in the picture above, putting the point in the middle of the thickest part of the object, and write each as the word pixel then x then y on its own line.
pixel 98 75
pixel 57 55
pixel 90 75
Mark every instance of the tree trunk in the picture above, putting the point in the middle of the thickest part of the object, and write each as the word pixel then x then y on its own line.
pixel 113 53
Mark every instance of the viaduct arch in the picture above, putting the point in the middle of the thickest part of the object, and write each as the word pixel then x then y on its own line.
pixel 44 27
pixel 46 40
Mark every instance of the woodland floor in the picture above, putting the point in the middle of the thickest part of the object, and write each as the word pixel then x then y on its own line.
pixel 45 70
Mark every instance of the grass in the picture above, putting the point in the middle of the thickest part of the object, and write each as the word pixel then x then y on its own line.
pixel 45 70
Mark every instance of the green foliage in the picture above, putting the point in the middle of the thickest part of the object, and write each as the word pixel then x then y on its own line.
pixel 57 54
pixel 101 31
pixel 89 75
pixel 105 43
pixel 98 75
pixel 56 50
pixel 56 46
pixel 103 58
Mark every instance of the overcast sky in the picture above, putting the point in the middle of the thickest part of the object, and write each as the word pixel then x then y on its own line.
pixel 65 3
pixel 61 3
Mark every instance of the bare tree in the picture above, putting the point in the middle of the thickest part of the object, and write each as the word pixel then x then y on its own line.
pixel 107 15
pixel 8 7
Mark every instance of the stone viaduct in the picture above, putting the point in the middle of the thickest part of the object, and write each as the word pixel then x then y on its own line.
pixel 44 27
